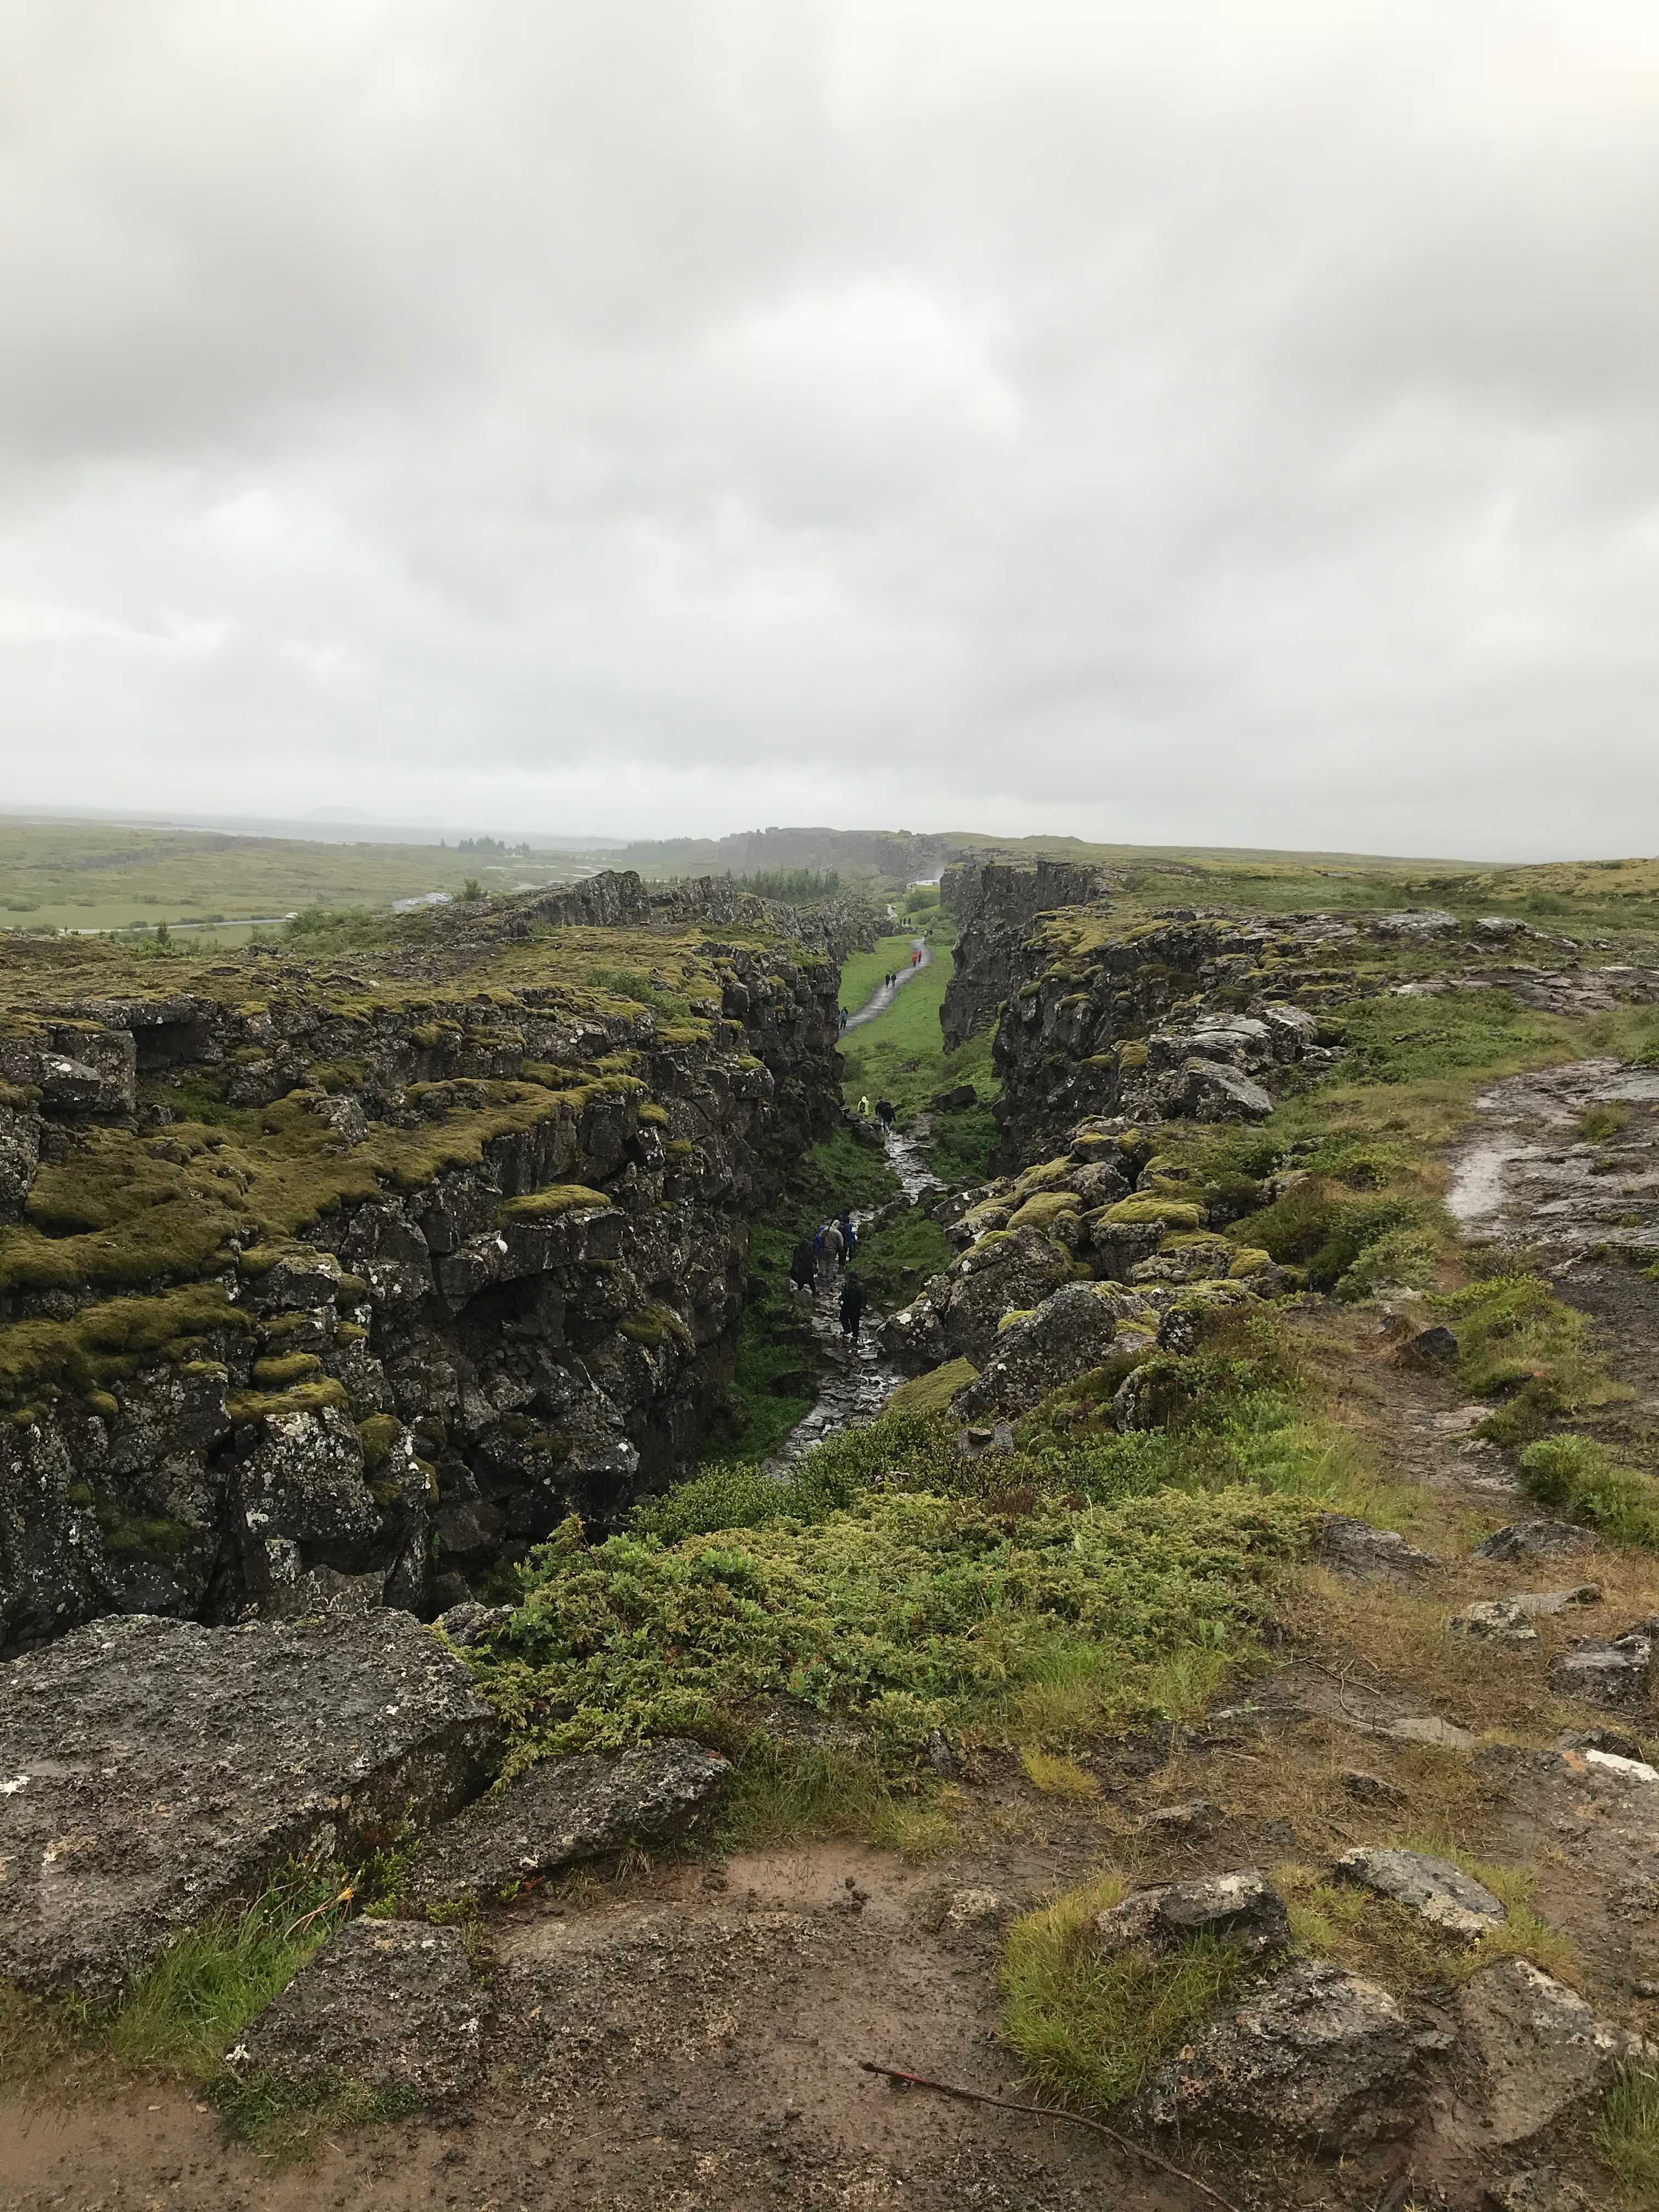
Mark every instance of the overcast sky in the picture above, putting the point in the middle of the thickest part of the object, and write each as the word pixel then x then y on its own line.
pixel 1225 421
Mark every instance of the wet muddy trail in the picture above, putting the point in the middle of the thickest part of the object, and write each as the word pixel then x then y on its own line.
pixel 853 1385
pixel 1562 1174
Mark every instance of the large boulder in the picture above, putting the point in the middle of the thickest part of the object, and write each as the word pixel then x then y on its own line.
pixel 558 1813
pixel 151 1771
pixel 956 1316
pixel 1070 1332
pixel 389 2007
pixel 1317 2056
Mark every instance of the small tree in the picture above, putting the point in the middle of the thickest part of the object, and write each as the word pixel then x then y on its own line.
pixel 473 889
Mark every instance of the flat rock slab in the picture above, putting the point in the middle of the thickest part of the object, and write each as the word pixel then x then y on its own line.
pixel 1434 1889
pixel 390 2006
pixel 1614 1673
pixel 1363 1550
pixel 1243 1906
pixel 1527 2048
pixel 1317 2055
pixel 1532 1539
pixel 1426 1728
pixel 560 1812
pixel 152 1770
pixel 1495 1620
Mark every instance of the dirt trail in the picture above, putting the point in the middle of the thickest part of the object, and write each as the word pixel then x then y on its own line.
pixel 852 1387
pixel 885 993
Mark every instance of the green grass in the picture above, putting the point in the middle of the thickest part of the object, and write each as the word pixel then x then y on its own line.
pixel 901 1055
pixel 188 2010
pixel 1626 2132
pixel 79 875
pixel 896 1259
pixel 1089 2032
pixel 862 972
pixel 901 1613
pixel 1579 1479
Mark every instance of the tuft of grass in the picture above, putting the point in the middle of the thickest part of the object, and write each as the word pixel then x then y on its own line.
pixel 777 1792
pixel 1055 1776
pixel 1625 2131
pixel 916 1829
pixel 1580 1479
pixel 188 2010
pixel 1089 2032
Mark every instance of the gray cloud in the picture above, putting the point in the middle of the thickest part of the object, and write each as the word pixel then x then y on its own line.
pixel 1228 421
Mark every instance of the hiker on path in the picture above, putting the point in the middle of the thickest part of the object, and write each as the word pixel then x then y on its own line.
pixel 804 1267
pixel 828 1246
pixel 884 1112
pixel 852 1310
pixel 864 1107
pixel 849 1235
pixel 843 1017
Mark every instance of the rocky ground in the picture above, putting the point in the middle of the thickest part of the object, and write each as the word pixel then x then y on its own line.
pixel 690 2029
pixel 1418 1831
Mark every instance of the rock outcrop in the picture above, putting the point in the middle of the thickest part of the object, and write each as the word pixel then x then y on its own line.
pixel 331 1283
pixel 1318 2057
pixel 151 1771
pixel 388 2009
pixel 561 1811
pixel 994 905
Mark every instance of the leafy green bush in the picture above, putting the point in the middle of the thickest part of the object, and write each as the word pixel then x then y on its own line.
pixel 1579 1478
pixel 905 1612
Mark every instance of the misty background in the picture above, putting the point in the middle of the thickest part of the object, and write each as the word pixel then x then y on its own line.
pixel 1226 423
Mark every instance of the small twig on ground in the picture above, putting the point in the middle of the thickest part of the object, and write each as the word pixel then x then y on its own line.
pixel 1052 2112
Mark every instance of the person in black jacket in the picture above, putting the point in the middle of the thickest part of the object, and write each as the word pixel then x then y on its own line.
pixel 851 1309
pixel 803 1266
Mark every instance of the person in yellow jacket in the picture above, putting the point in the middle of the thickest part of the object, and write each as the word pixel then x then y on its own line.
pixel 864 1109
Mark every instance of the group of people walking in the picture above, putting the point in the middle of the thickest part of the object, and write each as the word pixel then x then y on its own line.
pixel 884 1109
pixel 831 1247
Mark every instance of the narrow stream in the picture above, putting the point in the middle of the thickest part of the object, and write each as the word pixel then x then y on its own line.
pixel 853 1387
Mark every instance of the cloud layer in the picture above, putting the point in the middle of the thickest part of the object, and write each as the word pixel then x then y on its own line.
pixel 1230 422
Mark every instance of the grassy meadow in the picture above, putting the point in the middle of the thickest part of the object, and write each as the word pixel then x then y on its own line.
pixel 79 875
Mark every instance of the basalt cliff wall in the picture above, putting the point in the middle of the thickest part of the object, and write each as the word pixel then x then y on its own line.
pixel 335 1281
pixel 994 905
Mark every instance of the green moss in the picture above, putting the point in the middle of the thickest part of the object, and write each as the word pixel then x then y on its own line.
pixel 1249 1261
pixel 276 1374
pixel 657 1115
pixel 548 1204
pixel 931 1393
pixel 656 1326
pixel 1043 1211
pixel 1132 1056
pixel 1150 1213
pixel 110 1340
pixel 678 1150
pixel 1045 1175
pixel 149 1537
pixel 303 1398
pixel 379 1435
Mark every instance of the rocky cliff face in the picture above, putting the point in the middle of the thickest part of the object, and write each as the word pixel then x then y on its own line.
pixel 994 905
pixel 335 1281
